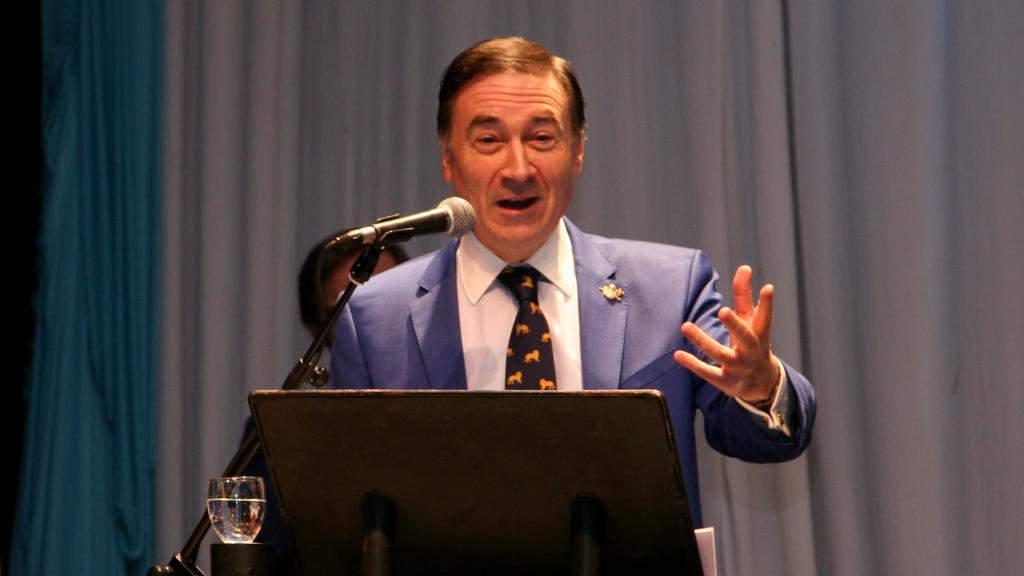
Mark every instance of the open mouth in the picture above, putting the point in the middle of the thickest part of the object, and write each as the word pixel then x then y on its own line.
pixel 517 204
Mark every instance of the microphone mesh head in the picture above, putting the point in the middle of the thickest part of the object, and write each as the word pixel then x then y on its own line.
pixel 461 215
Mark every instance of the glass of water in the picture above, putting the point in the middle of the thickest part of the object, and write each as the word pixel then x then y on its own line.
pixel 236 506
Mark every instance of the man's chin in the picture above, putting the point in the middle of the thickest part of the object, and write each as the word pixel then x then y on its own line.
pixel 515 243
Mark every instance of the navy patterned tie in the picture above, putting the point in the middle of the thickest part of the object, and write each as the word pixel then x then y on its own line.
pixel 529 362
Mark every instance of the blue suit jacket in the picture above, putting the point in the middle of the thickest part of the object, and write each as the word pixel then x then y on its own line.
pixel 401 331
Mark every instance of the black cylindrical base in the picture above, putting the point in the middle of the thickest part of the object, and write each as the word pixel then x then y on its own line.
pixel 378 534
pixel 254 559
pixel 588 522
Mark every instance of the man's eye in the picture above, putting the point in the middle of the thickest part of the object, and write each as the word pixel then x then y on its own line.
pixel 487 143
pixel 544 140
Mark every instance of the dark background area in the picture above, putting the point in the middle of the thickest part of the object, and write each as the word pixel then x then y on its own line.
pixel 27 165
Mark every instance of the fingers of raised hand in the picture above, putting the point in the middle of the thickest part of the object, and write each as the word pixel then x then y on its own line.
pixel 742 291
pixel 739 329
pixel 713 348
pixel 702 369
pixel 761 324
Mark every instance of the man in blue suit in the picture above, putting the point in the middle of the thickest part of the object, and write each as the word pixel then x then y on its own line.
pixel 619 314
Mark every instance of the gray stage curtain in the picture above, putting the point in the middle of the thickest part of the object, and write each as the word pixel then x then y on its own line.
pixel 910 138
pixel 863 156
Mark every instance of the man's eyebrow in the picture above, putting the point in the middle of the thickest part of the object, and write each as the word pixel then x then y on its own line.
pixel 487 120
pixel 482 121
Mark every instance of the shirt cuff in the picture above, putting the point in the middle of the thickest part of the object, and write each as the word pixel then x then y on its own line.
pixel 780 414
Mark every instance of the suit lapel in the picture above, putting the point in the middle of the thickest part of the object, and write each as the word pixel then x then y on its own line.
pixel 435 320
pixel 602 319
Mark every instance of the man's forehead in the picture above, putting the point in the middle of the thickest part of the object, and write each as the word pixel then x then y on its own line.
pixel 489 96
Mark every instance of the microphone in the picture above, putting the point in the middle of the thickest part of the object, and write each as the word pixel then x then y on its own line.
pixel 453 216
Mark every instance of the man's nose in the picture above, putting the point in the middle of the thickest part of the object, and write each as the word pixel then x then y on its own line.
pixel 518 168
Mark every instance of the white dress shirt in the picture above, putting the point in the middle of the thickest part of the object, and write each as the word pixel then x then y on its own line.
pixel 487 310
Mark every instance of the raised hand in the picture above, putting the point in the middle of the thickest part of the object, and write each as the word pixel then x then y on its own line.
pixel 746 368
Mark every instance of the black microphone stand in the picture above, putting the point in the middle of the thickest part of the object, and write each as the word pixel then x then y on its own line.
pixel 307 369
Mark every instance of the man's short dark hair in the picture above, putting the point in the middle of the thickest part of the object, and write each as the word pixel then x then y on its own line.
pixel 507 54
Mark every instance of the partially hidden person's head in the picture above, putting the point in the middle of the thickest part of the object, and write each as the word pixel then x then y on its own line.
pixel 318 295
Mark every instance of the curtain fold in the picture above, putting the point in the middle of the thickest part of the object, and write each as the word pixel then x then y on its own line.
pixel 85 497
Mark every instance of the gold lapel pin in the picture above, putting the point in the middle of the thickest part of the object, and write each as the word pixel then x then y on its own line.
pixel 611 292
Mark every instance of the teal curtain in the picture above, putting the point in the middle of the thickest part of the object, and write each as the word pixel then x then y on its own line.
pixel 85 503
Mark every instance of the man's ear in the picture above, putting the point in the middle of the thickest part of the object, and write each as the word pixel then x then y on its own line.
pixel 446 159
pixel 577 153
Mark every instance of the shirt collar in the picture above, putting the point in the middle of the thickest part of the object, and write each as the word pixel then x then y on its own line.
pixel 478 267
